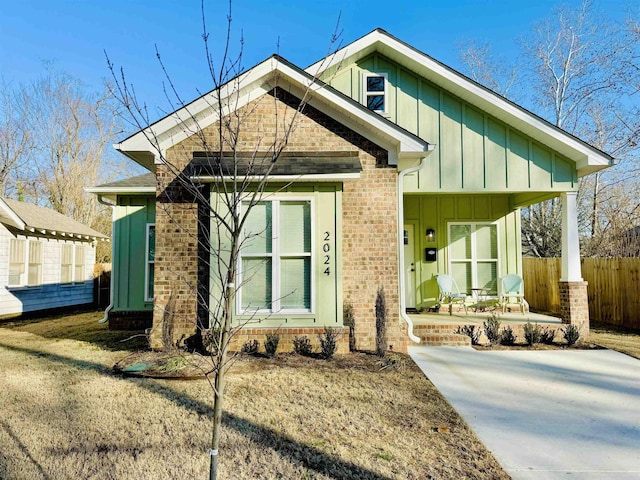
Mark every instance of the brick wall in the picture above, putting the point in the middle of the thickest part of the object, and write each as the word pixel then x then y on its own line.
pixel 286 338
pixel 370 252
pixel 369 218
pixel 574 305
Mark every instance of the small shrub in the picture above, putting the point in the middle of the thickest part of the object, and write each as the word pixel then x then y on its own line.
pixel 532 333
pixel 302 345
pixel 271 343
pixel 349 320
pixel 381 322
pixel 471 332
pixel 328 343
pixel 250 347
pixel 492 329
pixel 547 335
pixel 507 336
pixel 571 333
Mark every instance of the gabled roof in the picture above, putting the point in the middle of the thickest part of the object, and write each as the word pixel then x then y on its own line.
pixel 144 146
pixel 588 158
pixel 35 219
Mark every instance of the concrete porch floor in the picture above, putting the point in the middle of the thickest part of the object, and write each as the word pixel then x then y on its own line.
pixel 477 318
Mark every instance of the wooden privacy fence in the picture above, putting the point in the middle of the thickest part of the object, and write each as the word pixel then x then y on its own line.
pixel 614 288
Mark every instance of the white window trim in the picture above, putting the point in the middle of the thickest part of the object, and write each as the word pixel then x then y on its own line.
pixel 385 93
pixel 24 276
pixel 275 266
pixel 474 260
pixel 147 262
pixel 74 281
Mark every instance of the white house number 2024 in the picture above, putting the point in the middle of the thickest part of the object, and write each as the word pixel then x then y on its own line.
pixel 326 248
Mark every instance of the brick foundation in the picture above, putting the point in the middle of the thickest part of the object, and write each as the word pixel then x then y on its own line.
pixel 574 305
pixel 134 320
pixel 286 338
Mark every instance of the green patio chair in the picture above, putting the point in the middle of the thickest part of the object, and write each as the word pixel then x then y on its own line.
pixel 449 291
pixel 512 292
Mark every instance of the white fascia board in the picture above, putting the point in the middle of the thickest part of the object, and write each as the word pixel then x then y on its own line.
pixel 255 83
pixel 583 154
pixel 11 217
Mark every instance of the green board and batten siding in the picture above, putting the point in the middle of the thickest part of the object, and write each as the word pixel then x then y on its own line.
pixel 481 170
pixel 132 214
pixel 474 152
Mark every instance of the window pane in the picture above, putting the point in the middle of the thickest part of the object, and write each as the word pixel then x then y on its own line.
pixel 461 273
pixel 15 271
pixel 375 84
pixel 150 281
pixel 16 250
pixel 296 283
pixel 34 275
pixel 460 242
pixel 257 229
pixel 151 254
pixel 486 241
pixel 256 283
pixel 488 277
pixel 375 102
pixel 295 227
pixel 35 251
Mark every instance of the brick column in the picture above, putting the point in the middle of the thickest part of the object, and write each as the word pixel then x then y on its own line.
pixel 574 305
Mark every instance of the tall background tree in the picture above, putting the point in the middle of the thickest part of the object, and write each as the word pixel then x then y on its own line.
pixel 55 140
pixel 578 69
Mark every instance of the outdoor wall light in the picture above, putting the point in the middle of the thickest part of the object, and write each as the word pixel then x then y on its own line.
pixel 431 234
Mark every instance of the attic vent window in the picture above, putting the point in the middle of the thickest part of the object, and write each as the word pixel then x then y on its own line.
pixel 375 91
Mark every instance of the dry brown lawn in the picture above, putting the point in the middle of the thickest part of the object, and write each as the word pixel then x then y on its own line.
pixel 616 338
pixel 64 414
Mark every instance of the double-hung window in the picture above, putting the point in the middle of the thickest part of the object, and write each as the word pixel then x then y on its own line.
pixel 78 275
pixel 473 255
pixel 17 261
pixel 375 91
pixel 66 264
pixel 34 277
pixel 150 258
pixel 25 263
pixel 275 265
pixel 72 264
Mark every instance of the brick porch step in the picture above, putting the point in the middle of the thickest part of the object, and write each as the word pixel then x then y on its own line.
pixel 441 336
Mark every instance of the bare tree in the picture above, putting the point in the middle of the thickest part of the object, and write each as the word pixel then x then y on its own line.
pixel 495 73
pixel 71 130
pixel 15 138
pixel 577 64
pixel 237 158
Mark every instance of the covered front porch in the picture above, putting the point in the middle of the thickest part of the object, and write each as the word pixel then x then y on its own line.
pixel 438 329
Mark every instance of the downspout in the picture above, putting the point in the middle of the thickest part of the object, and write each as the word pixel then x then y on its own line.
pixel 400 193
pixel 113 252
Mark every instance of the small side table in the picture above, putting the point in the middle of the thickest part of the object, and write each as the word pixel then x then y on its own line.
pixel 480 297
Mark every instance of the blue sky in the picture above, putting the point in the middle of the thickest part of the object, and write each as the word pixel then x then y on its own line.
pixel 75 34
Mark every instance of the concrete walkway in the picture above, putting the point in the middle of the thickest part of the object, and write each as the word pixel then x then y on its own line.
pixel 545 414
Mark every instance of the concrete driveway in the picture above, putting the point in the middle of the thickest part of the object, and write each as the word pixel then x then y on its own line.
pixel 545 414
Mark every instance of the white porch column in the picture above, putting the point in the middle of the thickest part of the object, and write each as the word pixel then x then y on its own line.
pixel 570 241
